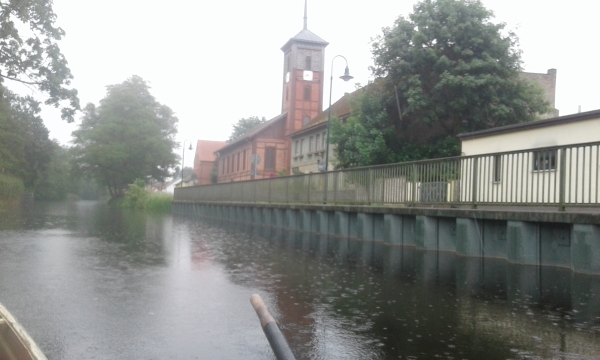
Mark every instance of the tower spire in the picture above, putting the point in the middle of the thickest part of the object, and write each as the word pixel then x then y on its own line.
pixel 305 17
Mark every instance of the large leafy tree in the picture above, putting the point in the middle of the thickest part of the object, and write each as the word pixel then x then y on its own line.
pixel 36 60
pixel 446 69
pixel 128 136
pixel 244 125
pixel 25 148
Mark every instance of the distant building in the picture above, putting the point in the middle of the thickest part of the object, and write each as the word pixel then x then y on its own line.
pixel 564 130
pixel 310 142
pixel 204 159
pixel 547 82
pixel 265 151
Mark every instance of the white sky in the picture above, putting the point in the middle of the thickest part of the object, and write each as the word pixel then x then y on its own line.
pixel 214 62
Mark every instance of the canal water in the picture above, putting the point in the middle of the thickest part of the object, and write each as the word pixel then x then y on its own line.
pixel 91 282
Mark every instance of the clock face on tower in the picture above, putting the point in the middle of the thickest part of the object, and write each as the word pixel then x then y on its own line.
pixel 307 75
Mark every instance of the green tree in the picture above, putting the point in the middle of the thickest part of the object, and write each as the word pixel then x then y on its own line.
pixel 55 182
pixel 446 69
pixel 244 125
pixel 366 138
pixel 25 149
pixel 129 136
pixel 36 60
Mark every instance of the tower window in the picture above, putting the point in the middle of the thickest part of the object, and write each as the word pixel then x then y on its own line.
pixel 308 63
pixel 307 92
pixel 287 94
pixel 287 63
pixel 305 120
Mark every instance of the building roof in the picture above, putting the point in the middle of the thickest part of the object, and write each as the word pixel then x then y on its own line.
pixel 588 115
pixel 340 108
pixel 306 36
pixel 253 132
pixel 205 150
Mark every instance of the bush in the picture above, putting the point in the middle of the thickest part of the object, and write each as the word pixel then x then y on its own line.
pixel 11 189
pixel 137 197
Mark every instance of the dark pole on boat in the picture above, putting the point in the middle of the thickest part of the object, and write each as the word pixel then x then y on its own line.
pixel 276 339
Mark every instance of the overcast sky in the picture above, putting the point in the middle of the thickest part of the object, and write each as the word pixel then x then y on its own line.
pixel 214 62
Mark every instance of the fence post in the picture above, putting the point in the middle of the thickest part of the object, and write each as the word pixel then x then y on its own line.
pixel 563 180
pixel 287 190
pixel 270 182
pixel 371 189
pixel 308 192
pixel 474 192
pixel 414 186
pixel 335 186
pixel 326 186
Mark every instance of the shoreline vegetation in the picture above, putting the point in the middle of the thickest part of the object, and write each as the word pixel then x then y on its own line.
pixel 137 197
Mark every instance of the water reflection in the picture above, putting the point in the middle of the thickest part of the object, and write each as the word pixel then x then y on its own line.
pixel 88 281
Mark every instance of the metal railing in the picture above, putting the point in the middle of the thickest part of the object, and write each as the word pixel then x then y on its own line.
pixel 560 175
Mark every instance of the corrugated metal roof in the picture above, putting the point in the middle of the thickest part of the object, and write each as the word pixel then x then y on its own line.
pixel 594 114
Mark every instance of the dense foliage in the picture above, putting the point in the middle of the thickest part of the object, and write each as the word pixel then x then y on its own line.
pixel 244 125
pixel 446 69
pixel 137 197
pixel 129 136
pixel 36 60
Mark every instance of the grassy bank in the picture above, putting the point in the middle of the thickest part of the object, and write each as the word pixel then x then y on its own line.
pixel 137 197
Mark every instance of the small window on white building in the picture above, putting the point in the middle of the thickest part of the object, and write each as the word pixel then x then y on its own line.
pixel 317 144
pixel 297 148
pixel 310 144
pixel 544 160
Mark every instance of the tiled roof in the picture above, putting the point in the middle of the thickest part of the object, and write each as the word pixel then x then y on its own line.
pixel 205 149
pixel 254 131
pixel 339 109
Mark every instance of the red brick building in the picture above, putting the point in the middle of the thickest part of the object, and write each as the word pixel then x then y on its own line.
pixel 266 150
pixel 204 159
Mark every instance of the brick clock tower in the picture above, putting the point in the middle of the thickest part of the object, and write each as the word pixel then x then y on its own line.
pixel 303 76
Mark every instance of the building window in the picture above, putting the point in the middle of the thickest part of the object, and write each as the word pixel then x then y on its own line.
pixel 244 161
pixel 270 153
pixel 287 63
pixel 238 161
pixel 308 63
pixel 317 145
pixel 497 168
pixel 297 148
pixel 287 94
pixel 324 141
pixel 305 120
pixel 301 146
pixel 310 144
pixel 222 166
pixel 307 92
pixel 544 160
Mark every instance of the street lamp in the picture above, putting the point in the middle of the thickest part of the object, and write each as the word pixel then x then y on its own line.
pixel 183 158
pixel 344 77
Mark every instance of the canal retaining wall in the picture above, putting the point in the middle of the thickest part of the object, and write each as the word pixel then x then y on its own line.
pixel 519 235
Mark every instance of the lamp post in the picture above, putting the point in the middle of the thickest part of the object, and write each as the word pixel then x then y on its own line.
pixel 183 158
pixel 344 77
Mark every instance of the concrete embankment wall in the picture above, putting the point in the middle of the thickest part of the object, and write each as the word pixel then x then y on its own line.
pixel 561 239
